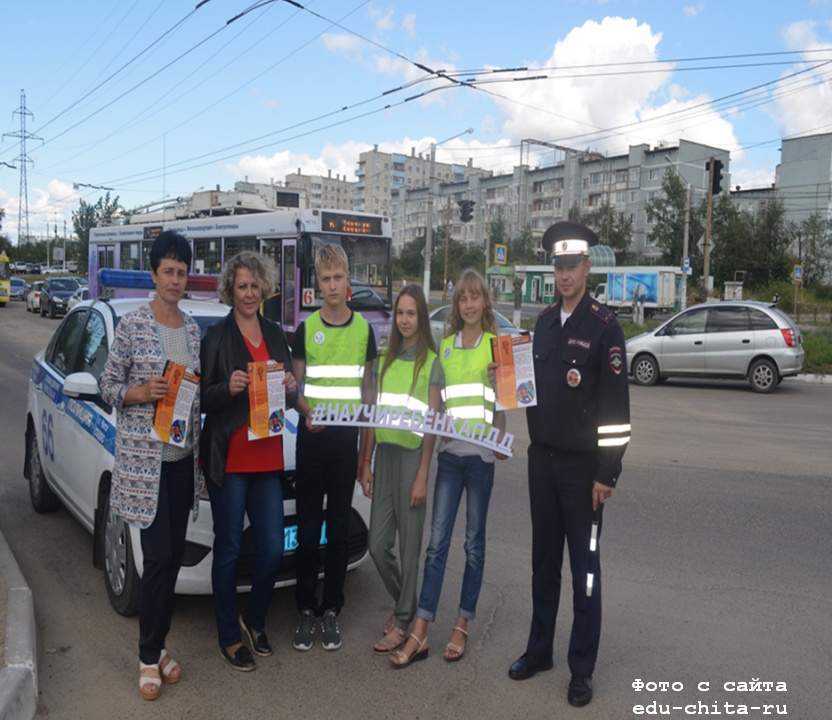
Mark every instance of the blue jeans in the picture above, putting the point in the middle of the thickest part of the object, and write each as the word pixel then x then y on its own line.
pixel 476 477
pixel 260 496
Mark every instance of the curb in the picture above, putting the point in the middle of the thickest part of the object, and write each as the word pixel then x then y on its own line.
pixel 18 676
pixel 815 379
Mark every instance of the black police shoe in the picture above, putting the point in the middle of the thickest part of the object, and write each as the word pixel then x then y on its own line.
pixel 527 666
pixel 580 690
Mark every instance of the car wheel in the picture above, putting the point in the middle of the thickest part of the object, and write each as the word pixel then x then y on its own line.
pixel 645 370
pixel 120 576
pixel 51 311
pixel 763 376
pixel 41 495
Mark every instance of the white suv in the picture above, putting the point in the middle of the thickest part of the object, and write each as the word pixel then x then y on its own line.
pixel 70 439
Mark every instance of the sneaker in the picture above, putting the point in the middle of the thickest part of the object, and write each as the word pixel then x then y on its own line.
pixel 305 634
pixel 256 639
pixel 331 633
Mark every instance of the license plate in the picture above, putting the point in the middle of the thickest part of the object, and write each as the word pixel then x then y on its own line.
pixel 290 537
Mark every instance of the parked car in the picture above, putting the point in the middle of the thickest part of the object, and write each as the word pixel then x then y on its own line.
pixel 19 288
pixel 36 269
pixel 19 267
pixel 734 339
pixel 81 294
pixel 439 317
pixel 33 296
pixel 54 270
pixel 55 295
pixel 70 440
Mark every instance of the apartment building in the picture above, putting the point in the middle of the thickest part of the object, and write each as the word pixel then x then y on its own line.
pixel 539 196
pixel 322 191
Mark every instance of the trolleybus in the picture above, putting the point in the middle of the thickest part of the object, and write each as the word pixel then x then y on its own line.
pixel 290 237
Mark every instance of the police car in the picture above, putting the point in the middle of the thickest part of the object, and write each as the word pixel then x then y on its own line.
pixel 70 440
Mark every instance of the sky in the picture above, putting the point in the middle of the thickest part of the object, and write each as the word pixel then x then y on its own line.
pixel 156 99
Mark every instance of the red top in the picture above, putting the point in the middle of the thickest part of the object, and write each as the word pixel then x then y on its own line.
pixel 244 455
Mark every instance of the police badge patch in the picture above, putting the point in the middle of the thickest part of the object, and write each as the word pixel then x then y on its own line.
pixel 616 360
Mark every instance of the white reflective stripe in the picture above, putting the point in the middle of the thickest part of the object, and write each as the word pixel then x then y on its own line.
pixel 328 392
pixel 335 371
pixel 609 429
pixel 401 400
pixel 471 412
pixel 489 394
pixel 613 442
pixel 476 390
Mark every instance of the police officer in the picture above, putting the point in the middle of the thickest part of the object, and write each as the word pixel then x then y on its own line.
pixel 579 431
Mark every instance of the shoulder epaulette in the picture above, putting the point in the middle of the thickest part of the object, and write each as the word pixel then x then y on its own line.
pixel 546 311
pixel 602 312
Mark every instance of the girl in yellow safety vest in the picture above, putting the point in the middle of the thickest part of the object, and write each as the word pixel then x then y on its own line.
pixel 464 354
pixel 408 375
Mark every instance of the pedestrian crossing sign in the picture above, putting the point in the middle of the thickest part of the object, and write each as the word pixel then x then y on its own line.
pixel 500 254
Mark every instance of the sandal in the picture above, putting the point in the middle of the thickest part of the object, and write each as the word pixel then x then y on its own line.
pixel 390 624
pixel 169 668
pixel 149 680
pixel 391 641
pixel 454 652
pixel 400 659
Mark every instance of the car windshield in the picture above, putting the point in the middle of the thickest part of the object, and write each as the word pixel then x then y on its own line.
pixel 64 284
pixel 503 321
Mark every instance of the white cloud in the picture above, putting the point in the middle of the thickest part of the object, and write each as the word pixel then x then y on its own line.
pixel 383 20
pixel 693 10
pixel 340 159
pixel 409 24
pixel 49 204
pixel 809 114
pixel 584 107
pixel 340 42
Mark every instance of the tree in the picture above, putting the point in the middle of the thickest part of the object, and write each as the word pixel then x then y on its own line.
pixel 105 211
pixel 666 214
pixel 815 248
pixel 755 242
pixel 614 229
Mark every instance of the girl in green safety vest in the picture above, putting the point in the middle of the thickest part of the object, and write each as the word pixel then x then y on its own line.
pixel 464 354
pixel 408 375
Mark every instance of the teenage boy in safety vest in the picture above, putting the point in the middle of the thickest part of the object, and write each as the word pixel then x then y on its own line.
pixel 333 353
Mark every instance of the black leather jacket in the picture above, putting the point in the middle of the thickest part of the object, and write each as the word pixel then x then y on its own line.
pixel 224 350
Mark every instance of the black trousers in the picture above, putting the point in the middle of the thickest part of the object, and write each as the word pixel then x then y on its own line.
pixel 326 466
pixel 163 547
pixel 560 490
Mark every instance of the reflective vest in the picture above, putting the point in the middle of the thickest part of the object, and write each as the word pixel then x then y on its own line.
pixel 468 396
pixel 335 360
pixel 395 392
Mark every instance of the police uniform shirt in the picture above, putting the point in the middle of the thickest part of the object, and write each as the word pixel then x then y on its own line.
pixel 583 401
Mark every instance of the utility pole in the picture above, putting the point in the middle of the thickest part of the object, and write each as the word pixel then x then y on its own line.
pixel 683 301
pixel 429 229
pixel 447 240
pixel 23 158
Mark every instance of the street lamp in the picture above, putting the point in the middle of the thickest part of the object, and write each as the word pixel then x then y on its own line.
pixel 429 231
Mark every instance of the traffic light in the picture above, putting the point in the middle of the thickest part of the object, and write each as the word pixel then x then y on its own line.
pixel 716 185
pixel 466 210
